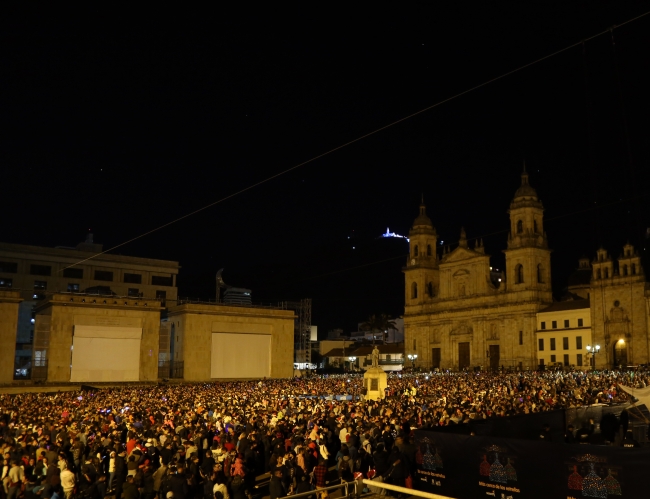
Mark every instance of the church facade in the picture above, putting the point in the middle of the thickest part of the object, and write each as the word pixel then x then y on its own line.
pixel 459 315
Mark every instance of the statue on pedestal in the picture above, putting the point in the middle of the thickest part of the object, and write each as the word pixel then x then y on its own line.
pixel 375 357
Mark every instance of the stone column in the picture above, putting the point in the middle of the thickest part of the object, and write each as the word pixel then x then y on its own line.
pixel 9 301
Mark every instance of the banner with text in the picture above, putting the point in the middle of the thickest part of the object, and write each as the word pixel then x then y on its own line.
pixel 469 467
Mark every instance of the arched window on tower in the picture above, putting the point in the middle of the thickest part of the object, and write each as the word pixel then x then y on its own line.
pixel 415 250
pixel 519 274
pixel 520 227
pixel 598 276
pixel 428 250
pixel 461 290
pixel 430 289
pixel 634 269
pixel 535 226
pixel 540 273
pixel 624 270
pixel 606 273
pixel 414 290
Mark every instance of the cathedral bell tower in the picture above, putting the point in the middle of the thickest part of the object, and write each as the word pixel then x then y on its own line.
pixel 421 270
pixel 528 259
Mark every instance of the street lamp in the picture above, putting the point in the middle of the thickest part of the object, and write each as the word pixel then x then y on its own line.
pixel 412 357
pixel 593 350
pixel 352 361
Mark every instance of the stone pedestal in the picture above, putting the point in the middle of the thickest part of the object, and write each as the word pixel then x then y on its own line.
pixel 375 381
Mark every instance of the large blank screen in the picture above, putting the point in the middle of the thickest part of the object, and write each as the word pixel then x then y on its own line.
pixel 105 354
pixel 237 355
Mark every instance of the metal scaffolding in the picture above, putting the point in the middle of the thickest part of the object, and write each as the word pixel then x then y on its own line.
pixel 301 329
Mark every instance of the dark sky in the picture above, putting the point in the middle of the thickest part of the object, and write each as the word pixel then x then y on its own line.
pixel 120 128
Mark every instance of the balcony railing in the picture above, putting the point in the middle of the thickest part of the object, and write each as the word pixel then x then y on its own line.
pixel 392 362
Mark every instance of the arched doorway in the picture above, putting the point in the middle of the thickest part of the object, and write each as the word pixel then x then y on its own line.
pixel 620 353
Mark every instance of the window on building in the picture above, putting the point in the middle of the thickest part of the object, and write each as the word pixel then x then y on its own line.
pixel 566 322
pixel 161 295
pixel 134 292
pixel 554 324
pixel 415 344
pixel 579 359
pixel 158 280
pixel 566 359
pixel 73 273
pixel 543 325
pixel 430 289
pixel 624 270
pixel 40 285
pixel 103 275
pixel 40 270
pixel 8 267
pixel 133 278
pixel 540 344
pixel 520 227
pixel 521 337
pixel 606 273
pixel 540 273
pixel 634 269
pixel 552 343
pixel 565 343
pixel 519 274
pixel 541 362
pixel 428 250
pixel 415 250
pixel 5 282
pixel 388 358
pixel 39 358
pixel 553 358
pixel 578 342
pixel 598 274
pixel 73 288
pixel 580 323
pixel 414 290
pixel 535 226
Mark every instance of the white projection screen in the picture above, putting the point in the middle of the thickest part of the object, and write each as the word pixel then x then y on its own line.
pixel 105 353
pixel 241 355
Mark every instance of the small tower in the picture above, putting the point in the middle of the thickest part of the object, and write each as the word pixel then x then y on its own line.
pixel 421 270
pixel 602 266
pixel 629 263
pixel 528 259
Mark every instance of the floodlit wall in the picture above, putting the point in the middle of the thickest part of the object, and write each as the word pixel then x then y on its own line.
pixel 225 342
pixel 106 331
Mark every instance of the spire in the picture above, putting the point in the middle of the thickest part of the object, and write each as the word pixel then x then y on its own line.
pixel 422 218
pixel 463 238
pixel 524 175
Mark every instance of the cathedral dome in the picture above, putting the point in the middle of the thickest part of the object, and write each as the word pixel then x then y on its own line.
pixel 525 190
pixel 422 218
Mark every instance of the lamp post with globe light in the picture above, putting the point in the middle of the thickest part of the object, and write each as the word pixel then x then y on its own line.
pixel 352 361
pixel 412 357
pixel 593 350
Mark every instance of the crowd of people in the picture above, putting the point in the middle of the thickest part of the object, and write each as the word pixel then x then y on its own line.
pixel 217 440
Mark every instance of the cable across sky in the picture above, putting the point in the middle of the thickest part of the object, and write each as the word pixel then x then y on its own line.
pixel 362 137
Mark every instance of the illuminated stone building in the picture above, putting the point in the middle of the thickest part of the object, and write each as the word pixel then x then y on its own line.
pixel 458 316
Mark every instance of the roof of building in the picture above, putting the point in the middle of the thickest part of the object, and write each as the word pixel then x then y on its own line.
pixel 566 305
pixel 339 352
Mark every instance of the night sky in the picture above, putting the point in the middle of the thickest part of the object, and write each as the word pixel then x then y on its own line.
pixel 120 128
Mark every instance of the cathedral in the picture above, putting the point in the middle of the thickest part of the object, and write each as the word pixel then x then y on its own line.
pixel 459 313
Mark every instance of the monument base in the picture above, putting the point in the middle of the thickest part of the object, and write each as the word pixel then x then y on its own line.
pixel 375 381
